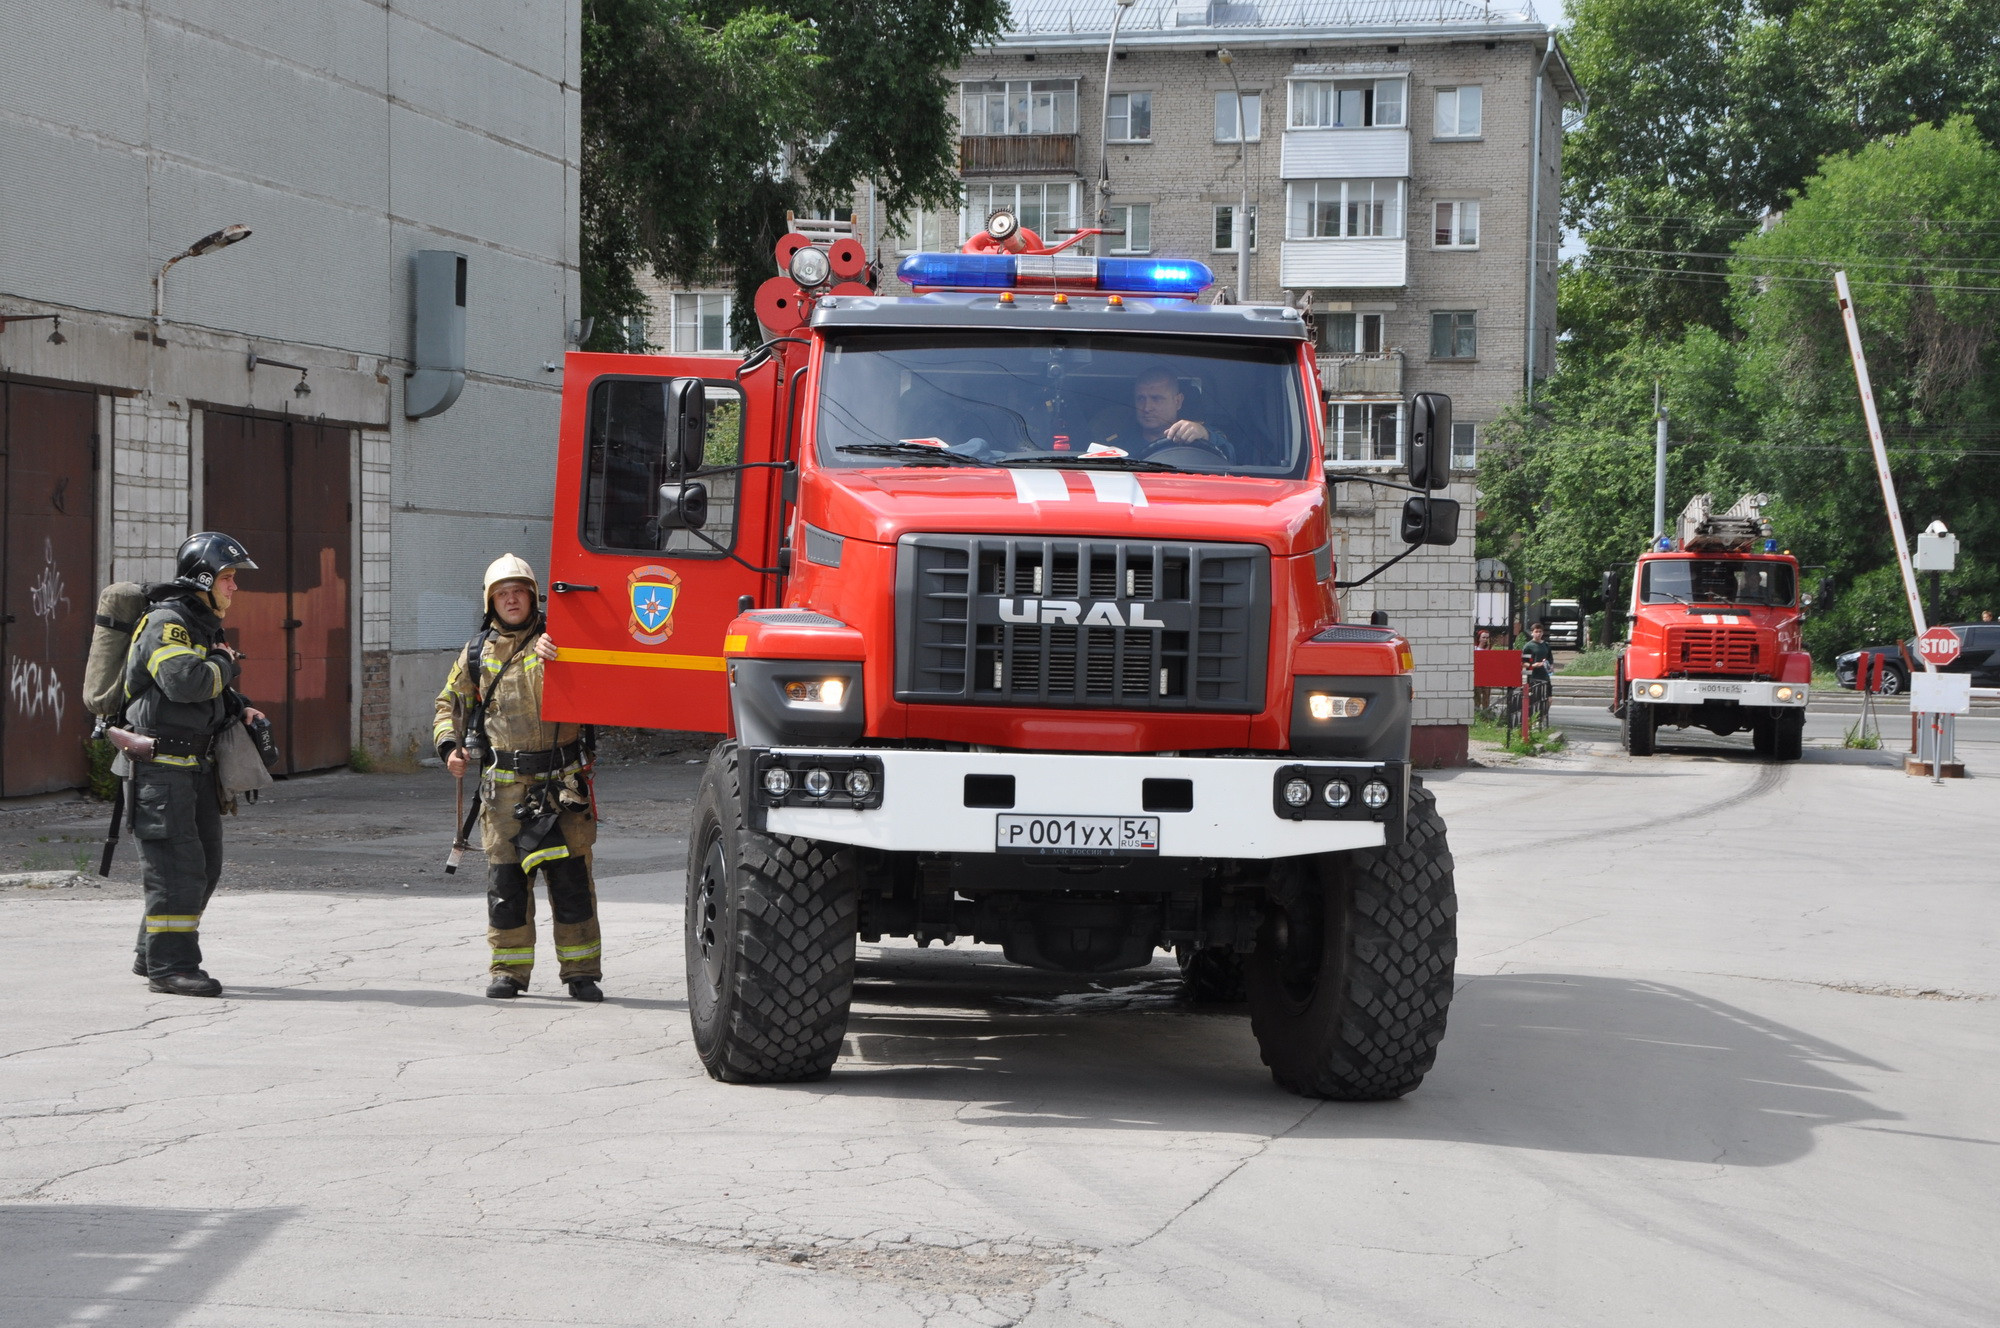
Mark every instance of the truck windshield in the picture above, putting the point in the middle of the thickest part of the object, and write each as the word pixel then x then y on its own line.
pixel 1215 407
pixel 1718 581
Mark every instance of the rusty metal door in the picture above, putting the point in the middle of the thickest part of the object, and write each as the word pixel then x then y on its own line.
pixel 282 489
pixel 48 583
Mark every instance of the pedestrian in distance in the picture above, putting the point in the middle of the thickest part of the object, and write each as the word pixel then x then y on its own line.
pixel 180 693
pixel 535 805
pixel 1540 659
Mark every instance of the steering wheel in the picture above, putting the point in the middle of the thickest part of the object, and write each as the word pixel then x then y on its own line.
pixel 1195 454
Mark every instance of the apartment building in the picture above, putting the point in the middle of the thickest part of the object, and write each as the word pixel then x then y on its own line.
pixel 1393 166
pixel 396 169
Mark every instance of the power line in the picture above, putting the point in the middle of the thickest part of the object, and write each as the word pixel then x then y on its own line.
pixel 1683 274
pixel 1903 263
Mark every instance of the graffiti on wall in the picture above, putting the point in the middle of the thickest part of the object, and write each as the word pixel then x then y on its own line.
pixel 34 689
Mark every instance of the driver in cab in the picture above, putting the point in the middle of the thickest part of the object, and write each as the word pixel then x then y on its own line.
pixel 1158 426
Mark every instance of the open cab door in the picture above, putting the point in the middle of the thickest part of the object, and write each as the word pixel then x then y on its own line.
pixel 664 518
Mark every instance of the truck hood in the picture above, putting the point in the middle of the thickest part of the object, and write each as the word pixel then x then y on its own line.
pixel 1286 516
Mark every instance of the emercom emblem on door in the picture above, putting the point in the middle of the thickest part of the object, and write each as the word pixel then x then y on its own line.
pixel 653 590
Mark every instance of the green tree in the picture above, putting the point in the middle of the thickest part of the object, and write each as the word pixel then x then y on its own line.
pixel 705 121
pixel 1705 113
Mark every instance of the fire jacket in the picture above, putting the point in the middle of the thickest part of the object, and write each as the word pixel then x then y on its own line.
pixel 177 684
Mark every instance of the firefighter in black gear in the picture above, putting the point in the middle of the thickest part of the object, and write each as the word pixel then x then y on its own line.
pixel 180 680
pixel 536 810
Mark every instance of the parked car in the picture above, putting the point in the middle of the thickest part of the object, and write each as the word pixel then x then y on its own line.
pixel 1979 656
pixel 1564 622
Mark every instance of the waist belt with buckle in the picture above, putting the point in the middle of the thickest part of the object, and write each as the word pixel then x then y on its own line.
pixel 539 763
pixel 202 746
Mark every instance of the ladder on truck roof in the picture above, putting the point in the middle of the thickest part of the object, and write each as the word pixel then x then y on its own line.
pixel 1737 530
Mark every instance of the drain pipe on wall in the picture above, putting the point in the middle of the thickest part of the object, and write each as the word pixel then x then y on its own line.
pixel 1535 215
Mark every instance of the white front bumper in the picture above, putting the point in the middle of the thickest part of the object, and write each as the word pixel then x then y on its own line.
pixel 923 803
pixel 1696 691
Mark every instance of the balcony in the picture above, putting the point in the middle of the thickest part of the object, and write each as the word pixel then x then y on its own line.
pixel 1330 154
pixel 1345 264
pixel 1362 375
pixel 1017 154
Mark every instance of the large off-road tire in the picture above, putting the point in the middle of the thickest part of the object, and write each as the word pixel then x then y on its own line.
pixel 1639 728
pixel 1764 733
pixel 1352 975
pixel 1213 976
pixel 1788 739
pixel 771 925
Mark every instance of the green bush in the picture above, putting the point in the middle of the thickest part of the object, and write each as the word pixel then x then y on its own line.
pixel 102 782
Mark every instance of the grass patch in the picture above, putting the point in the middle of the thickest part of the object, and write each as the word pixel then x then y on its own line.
pixel 359 761
pixel 1864 740
pixel 1541 740
pixel 1601 662
pixel 102 782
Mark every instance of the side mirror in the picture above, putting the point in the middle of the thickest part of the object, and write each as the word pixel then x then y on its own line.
pixel 1805 602
pixel 1430 521
pixel 687 425
pixel 1430 441
pixel 683 506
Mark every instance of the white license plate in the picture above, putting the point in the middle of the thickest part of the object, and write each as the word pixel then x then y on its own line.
pixel 1076 836
pixel 1719 688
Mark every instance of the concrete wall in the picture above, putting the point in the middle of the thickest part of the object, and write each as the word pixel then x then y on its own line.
pixel 348 135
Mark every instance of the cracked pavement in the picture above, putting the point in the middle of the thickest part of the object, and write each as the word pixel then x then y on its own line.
pixel 1723 1051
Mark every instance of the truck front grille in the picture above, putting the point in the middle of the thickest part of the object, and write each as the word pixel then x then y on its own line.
pixel 1108 624
pixel 1732 650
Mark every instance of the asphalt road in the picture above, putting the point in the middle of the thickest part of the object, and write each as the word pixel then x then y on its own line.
pixel 1723 1051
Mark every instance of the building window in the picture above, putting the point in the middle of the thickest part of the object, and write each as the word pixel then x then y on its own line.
pixel 701 323
pixel 1225 228
pixel 926 231
pixel 1225 117
pixel 1022 106
pixel 1351 334
pixel 1136 220
pixel 1357 104
pixel 1454 335
pixel 1458 112
pixel 632 331
pixel 1455 225
pixel 1345 209
pixel 1131 118
pixel 1464 446
pixel 1363 431
pixel 1044 206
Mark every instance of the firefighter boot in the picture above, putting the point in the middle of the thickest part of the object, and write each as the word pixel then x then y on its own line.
pixel 196 983
pixel 585 989
pixel 573 901
pixel 503 989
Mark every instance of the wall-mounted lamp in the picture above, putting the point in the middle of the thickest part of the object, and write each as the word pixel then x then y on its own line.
pixel 254 359
pixel 579 330
pixel 56 338
pixel 207 244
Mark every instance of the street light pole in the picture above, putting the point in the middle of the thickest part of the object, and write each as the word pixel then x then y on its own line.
pixel 207 244
pixel 1659 465
pixel 1104 124
pixel 1241 230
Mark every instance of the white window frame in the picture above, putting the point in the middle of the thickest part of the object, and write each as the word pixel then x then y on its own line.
pixel 1362 424
pixel 984 197
pixel 1451 123
pixel 1122 244
pixel 1017 106
pixel 1358 326
pixel 1461 209
pixel 1118 115
pixel 1216 223
pixel 1464 445
pixel 929 230
pixel 1253 116
pixel 689 328
pixel 1347 194
pixel 1317 103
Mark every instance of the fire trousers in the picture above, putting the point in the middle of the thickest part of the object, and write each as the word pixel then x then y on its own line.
pixel 510 911
pixel 177 819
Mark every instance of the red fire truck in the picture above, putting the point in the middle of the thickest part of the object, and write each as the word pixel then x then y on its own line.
pixel 1016 602
pixel 1714 641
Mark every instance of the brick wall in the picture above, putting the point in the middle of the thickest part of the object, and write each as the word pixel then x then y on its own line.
pixel 149 490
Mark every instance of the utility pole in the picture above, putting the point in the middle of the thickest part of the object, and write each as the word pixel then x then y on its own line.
pixel 1659 465
pixel 1104 124
pixel 1241 229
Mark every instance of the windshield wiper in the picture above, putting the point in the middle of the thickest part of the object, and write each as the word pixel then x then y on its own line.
pixel 917 453
pixel 1096 462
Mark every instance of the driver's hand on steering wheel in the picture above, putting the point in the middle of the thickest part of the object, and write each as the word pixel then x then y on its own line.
pixel 1185 431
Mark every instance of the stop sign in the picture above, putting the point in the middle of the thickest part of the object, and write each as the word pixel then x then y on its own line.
pixel 1939 646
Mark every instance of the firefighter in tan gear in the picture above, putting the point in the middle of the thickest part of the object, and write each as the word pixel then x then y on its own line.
pixel 536 810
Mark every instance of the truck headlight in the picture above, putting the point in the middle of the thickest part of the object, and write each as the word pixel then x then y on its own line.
pixel 1656 689
pixel 1376 794
pixel 777 781
pixel 1324 705
pixel 1336 793
pixel 818 782
pixel 817 693
pixel 1298 793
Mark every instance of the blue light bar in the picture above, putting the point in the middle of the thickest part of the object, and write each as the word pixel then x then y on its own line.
pixel 1182 278
pixel 958 271
pixel 1153 276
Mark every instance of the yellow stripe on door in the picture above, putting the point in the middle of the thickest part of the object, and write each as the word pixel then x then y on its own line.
pixel 641 659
